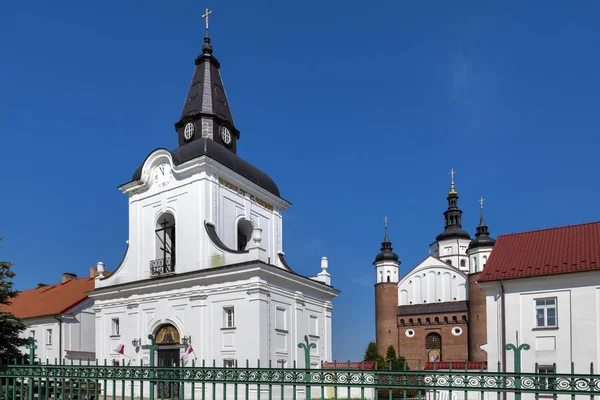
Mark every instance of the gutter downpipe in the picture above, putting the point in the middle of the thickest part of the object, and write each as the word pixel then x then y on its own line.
pixel 57 317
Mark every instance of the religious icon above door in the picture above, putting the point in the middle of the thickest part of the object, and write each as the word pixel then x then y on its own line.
pixel 167 334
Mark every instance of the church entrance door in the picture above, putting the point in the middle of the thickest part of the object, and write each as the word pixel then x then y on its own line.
pixel 167 339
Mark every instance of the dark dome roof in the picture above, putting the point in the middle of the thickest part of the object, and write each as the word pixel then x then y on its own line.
pixel 386 253
pixel 453 232
pixel 209 148
pixel 482 242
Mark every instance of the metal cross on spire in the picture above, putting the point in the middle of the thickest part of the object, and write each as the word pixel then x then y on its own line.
pixel 205 17
pixel 481 200
pixel 385 219
pixel 451 173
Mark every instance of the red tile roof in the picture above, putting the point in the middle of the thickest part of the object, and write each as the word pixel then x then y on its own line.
pixel 443 365
pixel 562 250
pixel 351 365
pixel 51 299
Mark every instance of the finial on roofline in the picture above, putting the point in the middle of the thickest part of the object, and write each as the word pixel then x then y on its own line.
pixel 206 48
pixel 451 173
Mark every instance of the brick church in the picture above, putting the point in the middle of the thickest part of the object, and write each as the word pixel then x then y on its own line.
pixel 435 312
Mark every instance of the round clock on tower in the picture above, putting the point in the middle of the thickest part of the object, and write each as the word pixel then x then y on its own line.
pixel 162 175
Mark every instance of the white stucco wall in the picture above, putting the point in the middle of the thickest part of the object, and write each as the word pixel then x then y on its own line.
pixel 452 251
pixel 199 190
pixel 72 338
pixel 432 281
pixel 575 339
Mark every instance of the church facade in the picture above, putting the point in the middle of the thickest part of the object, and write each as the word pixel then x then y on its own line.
pixel 436 312
pixel 204 272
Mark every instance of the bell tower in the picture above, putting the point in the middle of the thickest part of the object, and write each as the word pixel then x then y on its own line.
pixel 386 295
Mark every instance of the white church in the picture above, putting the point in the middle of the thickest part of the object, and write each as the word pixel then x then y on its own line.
pixel 204 269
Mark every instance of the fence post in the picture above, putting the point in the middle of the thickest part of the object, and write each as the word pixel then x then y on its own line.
pixel 307 348
pixel 31 346
pixel 152 347
pixel 517 366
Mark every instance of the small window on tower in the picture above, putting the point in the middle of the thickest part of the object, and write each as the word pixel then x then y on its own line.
pixel 463 263
pixel 244 234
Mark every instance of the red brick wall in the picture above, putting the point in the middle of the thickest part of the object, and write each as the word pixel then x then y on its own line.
pixel 386 311
pixel 454 348
pixel 477 320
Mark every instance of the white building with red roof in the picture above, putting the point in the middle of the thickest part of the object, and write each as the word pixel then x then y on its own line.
pixel 543 289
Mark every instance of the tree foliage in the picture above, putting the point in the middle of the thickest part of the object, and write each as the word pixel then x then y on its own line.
pixel 10 325
pixel 396 363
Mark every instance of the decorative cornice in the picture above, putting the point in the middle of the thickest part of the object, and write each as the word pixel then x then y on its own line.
pixel 242 193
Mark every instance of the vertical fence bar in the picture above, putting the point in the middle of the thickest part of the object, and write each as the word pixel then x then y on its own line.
pixel 537 381
pixel 105 382
pixel 572 381
pixel 193 385
pixel 258 384
pixel 224 383
pixel 554 395
pixel 592 383
pixel 247 388
pixel 294 385
pixel 203 380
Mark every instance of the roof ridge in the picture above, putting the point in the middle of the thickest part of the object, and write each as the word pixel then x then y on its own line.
pixel 549 229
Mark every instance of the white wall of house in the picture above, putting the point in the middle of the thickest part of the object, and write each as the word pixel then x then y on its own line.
pixel 66 336
pixel 573 336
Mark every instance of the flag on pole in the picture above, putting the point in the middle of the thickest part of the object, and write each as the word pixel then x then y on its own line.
pixel 120 349
pixel 188 351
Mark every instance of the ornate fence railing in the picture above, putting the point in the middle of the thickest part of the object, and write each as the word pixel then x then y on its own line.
pixel 47 381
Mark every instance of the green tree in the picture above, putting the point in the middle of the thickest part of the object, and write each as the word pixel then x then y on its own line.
pixel 10 325
pixel 372 354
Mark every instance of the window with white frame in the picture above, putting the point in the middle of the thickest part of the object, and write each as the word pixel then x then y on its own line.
pixel 280 320
pixel 314 325
pixel 48 336
pixel 115 330
pixel 545 312
pixel 229 363
pixel 228 317
pixel 545 382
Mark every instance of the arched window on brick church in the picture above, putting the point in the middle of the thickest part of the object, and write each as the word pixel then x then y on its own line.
pixel 433 344
pixel 388 276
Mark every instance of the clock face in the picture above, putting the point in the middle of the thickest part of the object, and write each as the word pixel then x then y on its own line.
pixel 225 135
pixel 162 175
pixel 189 130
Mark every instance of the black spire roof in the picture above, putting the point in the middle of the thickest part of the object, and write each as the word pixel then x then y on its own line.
pixel 206 112
pixel 453 218
pixel 386 253
pixel 206 126
pixel 482 236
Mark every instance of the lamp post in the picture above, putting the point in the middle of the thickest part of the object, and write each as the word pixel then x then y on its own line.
pixel 307 346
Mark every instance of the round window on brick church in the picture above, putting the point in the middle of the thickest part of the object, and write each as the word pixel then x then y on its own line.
pixel 409 333
pixel 456 331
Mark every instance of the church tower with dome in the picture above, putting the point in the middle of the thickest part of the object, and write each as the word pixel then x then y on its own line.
pixel 435 312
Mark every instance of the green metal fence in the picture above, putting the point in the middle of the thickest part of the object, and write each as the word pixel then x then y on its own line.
pixel 59 381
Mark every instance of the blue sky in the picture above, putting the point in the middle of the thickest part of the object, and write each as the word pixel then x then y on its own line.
pixel 357 110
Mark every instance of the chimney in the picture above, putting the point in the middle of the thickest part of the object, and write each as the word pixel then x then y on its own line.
pixel 94 272
pixel 68 276
pixel 42 285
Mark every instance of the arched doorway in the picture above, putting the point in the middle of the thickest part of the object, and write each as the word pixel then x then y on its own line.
pixel 168 340
pixel 433 344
